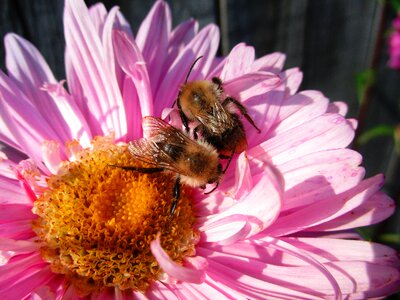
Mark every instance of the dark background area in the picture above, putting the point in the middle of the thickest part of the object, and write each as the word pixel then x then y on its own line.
pixel 330 40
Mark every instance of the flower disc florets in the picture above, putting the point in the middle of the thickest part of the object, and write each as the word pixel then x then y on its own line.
pixel 97 221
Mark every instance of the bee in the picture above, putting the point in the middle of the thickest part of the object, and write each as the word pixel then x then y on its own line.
pixel 204 102
pixel 194 163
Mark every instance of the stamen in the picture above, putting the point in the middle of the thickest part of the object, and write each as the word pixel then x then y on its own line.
pixel 98 221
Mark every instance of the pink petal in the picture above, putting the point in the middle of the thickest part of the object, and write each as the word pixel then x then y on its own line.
pixel 10 248
pixel 364 280
pixel 238 62
pixel 264 109
pixel 375 209
pixel 77 93
pixel 173 269
pixel 301 108
pixel 51 155
pixel 159 290
pixel 89 62
pixel 229 290
pixel 329 131
pixel 205 44
pixel 181 292
pixel 231 277
pixel 179 38
pixel 306 257
pixel 11 192
pixel 19 265
pixel 271 63
pixel 52 290
pixel 77 126
pixel 227 230
pixel 243 178
pixel 356 277
pixel 328 249
pixel 18 230
pixel 205 291
pixel 98 14
pixel 182 35
pixel 22 286
pixel 137 91
pixel 260 214
pixel 338 107
pixel 26 185
pixel 216 202
pixel 133 108
pixel 15 212
pixel 114 21
pixel 9 156
pixel 216 67
pixel 153 37
pixel 292 78
pixel 325 209
pixel 26 65
pixel 251 85
pixel 318 175
pixel 22 121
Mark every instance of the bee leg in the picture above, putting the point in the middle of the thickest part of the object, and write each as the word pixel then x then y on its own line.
pixel 176 191
pixel 138 169
pixel 215 187
pixel 242 109
pixel 184 119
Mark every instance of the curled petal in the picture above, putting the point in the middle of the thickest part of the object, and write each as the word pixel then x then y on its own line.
pixel 51 155
pixel 243 178
pixel 226 231
pixel 268 186
pixel 172 268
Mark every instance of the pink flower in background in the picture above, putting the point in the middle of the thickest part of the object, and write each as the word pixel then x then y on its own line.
pixel 279 226
pixel 394 45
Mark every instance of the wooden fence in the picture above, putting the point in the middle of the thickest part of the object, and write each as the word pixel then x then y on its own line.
pixel 330 40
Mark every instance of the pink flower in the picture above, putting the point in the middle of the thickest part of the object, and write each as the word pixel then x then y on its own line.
pixel 278 226
pixel 394 45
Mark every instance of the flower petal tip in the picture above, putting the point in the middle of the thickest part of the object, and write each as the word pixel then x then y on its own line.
pixel 173 269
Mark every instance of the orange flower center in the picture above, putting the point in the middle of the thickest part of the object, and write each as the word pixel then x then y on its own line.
pixel 97 221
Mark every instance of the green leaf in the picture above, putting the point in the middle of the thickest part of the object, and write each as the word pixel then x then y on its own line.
pixel 366 232
pixel 392 238
pixel 374 132
pixel 364 80
pixel 395 5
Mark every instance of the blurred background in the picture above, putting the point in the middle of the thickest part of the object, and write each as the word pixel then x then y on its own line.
pixel 340 45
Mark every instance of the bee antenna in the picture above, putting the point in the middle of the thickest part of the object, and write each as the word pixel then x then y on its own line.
pixel 191 68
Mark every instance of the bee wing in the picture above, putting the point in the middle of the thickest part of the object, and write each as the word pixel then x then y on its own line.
pixel 152 150
pixel 159 131
pixel 143 151
pixel 217 121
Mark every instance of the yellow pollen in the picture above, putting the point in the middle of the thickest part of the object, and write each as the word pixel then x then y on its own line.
pixel 97 221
